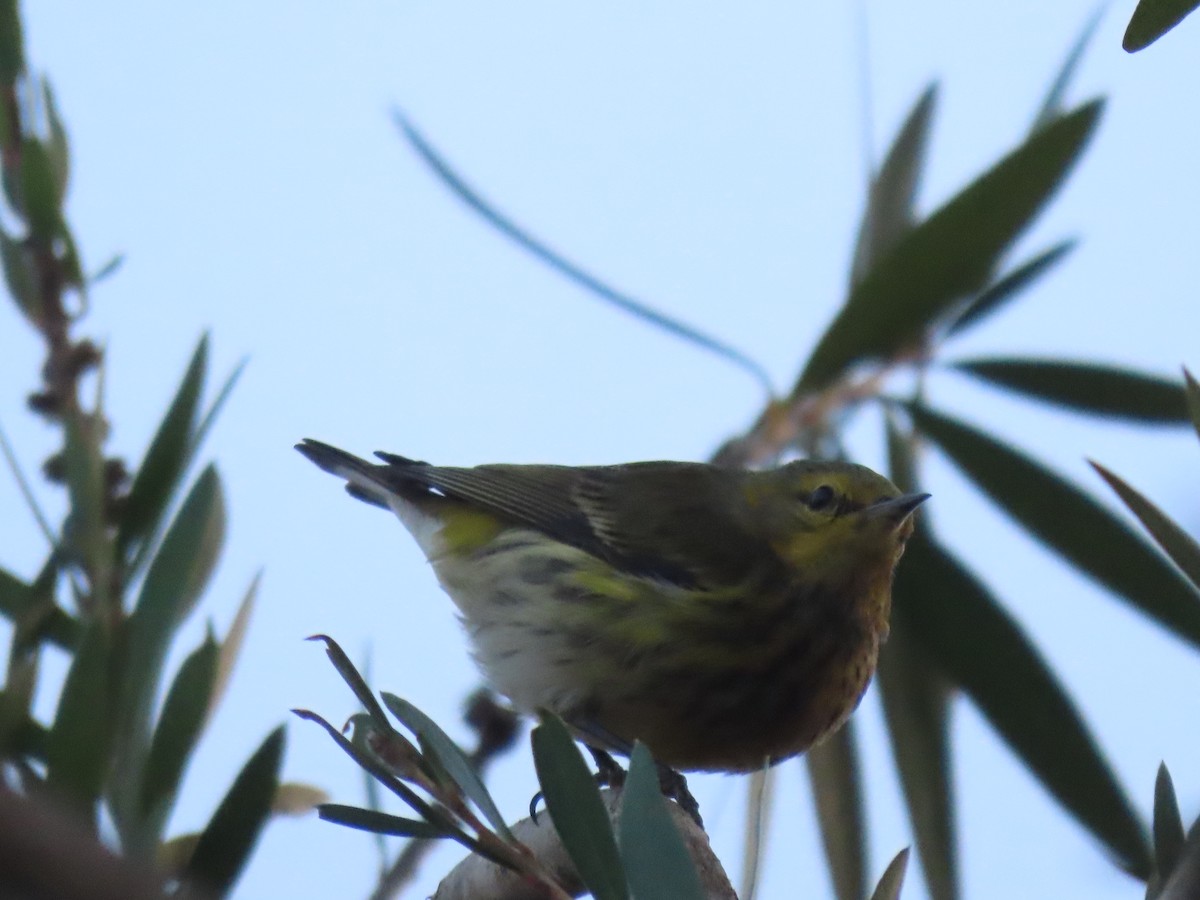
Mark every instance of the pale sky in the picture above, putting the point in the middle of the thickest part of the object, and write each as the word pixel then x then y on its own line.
pixel 707 159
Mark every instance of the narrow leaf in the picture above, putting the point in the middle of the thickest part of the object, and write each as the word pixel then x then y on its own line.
pixel 229 838
pixel 1071 523
pixel 57 147
pixel 232 645
pixel 1009 286
pixel 1052 105
pixel 1152 19
pixel 355 682
pixel 657 862
pixel 981 649
pixel 19 276
pixel 1184 883
pixel 79 745
pixel 162 468
pixel 85 532
pixel 1192 389
pixel 1086 387
pixel 39 192
pixel 890 199
pixel 950 255
pixel 175 736
pixel 296 799
pixel 915 703
pixel 835 774
pixel 450 757
pixel 892 879
pixel 544 254
pixel 378 822
pixel 12 50
pixel 1177 543
pixel 1169 837
pixel 577 810
pixel 760 793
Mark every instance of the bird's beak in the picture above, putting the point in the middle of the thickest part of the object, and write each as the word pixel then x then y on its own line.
pixel 897 509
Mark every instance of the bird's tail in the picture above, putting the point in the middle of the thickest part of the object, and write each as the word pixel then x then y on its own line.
pixel 367 481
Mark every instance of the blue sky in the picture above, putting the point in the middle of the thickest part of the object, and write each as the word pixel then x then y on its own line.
pixel 706 159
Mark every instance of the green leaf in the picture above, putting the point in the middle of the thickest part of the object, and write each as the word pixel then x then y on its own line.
pixel 232 645
pixel 1177 543
pixel 19 276
pixel 892 879
pixel 915 703
pixel 175 736
pixel 436 743
pixel 78 748
pixel 12 50
pixel 951 255
pixel 35 614
pixel 1192 389
pixel 1071 523
pixel 355 681
pixel 657 862
pixel 1184 883
pixel 889 212
pixel 1086 387
pixel 85 533
pixel 230 835
pixel 57 146
pixel 1169 837
pixel 162 468
pixel 981 649
pixel 577 810
pixel 1052 105
pixel 378 822
pixel 1152 19
pixel 559 263
pixel 1009 286
pixel 178 574
pixel 835 774
pixel 40 200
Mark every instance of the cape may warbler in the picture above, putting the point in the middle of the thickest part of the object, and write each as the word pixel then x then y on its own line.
pixel 726 618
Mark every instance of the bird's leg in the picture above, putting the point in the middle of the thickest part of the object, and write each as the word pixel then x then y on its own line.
pixel 608 771
pixel 674 785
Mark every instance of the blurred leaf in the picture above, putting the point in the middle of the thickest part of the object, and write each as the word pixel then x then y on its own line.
pixel 162 468
pixel 175 736
pixel 950 255
pixel 759 794
pixel 1086 387
pixel 232 645
pixel 19 276
pixel 453 761
pixel 16 597
pixel 915 703
pixel 355 681
pixel 893 878
pixel 1184 883
pixel 980 648
pixel 296 799
pixel 889 212
pixel 657 862
pixel 85 530
pixel 1152 19
pixel 1178 544
pixel 1009 286
pixel 378 822
pixel 544 254
pixel 576 809
pixel 1192 390
pixel 1052 106
pixel 12 50
pixel 57 148
pixel 230 835
pixel 1071 523
pixel 210 414
pixel 27 494
pixel 107 270
pixel 78 748
pixel 40 200
pixel 835 774
pixel 1169 838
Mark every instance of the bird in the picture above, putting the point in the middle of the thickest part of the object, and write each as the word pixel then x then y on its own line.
pixel 729 619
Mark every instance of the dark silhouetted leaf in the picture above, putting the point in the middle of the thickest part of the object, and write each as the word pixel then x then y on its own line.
pixel 540 251
pixel 657 863
pixel 12 50
pixel 1192 389
pixel 915 703
pixel 175 736
pixel 1009 286
pixel 1169 837
pixel 1052 106
pixel 835 775
pixel 1152 19
pixel 576 809
pixel 1178 544
pixel 159 474
pixel 40 199
pixel 1184 883
pixel 893 878
pixel 450 758
pixel 892 193
pixel 982 650
pixel 1086 387
pixel 951 255
pixel 1071 523
pixel 227 841
pixel 378 822
pixel 79 745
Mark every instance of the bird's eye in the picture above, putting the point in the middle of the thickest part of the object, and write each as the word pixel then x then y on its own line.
pixel 821 497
